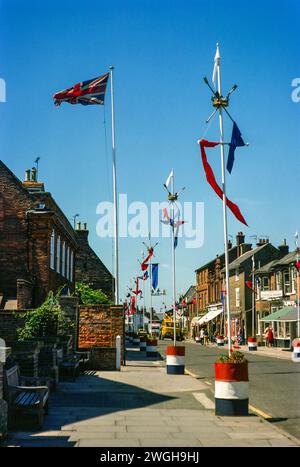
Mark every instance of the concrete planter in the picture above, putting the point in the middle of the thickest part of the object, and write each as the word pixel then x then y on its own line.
pixel 143 344
pixel 296 351
pixel 175 360
pixel 252 344
pixel 151 347
pixel 231 389
pixel 220 341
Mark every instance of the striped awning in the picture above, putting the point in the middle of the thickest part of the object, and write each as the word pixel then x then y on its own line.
pixel 210 315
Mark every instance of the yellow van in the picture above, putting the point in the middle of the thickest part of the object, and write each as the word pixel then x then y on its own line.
pixel 167 330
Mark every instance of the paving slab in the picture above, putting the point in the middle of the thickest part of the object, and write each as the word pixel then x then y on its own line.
pixel 143 406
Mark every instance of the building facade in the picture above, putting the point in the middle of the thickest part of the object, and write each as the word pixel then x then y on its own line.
pixel 37 243
pixel 89 268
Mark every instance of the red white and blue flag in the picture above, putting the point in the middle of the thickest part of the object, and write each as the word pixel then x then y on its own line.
pixel 88 92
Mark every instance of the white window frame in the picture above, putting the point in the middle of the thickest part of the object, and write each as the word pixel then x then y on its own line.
pixel 52 250
pixel 71 266
pixel 263 287
pixel 287 286
pixel 68 263
pixel 278 281
pixel 58 242
pixel 237 274
pixel 237 298
pixel 63 259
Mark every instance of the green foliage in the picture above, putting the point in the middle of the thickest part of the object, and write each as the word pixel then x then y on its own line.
pixel 88 296
pixel 44 321
pixel 234 357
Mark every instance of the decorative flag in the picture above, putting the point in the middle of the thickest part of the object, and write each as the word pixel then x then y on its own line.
pixel 183 303
pixel 194 301
pixel 249 285
pixel 132 305
pixel 210 177
pixel 257 281
pixel 154 275
pixel 173 223
pixel 144 264
pixel 137 291
pixel 88 92
pixel 296 238
pixel 145 276
pixel 217 63
pixel 236 140
pixel 223 294
pixel 297 265
pixel 169 179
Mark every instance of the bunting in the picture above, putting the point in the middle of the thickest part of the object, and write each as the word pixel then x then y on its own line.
pixel 236 141
pixel 210 177
pixel 144 264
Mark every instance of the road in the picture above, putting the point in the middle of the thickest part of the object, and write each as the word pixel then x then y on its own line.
pixel 274 384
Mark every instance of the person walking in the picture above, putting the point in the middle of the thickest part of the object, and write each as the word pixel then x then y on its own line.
pixel 202 336
pixel 270 337
pixel 206 337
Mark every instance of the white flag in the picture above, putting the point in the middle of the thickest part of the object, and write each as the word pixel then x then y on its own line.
pixel 217 63
pixel 296 235
pixel 169 179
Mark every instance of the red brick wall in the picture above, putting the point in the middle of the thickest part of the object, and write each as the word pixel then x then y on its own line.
pixel 99 325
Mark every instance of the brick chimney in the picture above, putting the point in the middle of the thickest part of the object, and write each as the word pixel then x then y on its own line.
pixel 283 249
pixel 262 241
pixel 31 183
pixel 82 233
pixel 240 238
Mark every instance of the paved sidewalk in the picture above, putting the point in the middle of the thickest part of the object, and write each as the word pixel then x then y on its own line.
pixel 274 352
pixel 143 406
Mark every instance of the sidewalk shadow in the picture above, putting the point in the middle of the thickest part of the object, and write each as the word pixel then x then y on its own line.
pixel 89 397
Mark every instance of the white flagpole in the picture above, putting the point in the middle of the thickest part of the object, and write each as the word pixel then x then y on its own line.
pixel 297 286
pixel 116 230
pixel 253 297
pixel 150 277
pixel 224 209
pixel 173 262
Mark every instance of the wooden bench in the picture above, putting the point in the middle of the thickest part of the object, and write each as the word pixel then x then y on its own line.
pixel 23 394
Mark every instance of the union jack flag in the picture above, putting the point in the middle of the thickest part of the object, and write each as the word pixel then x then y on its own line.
pixel 85 93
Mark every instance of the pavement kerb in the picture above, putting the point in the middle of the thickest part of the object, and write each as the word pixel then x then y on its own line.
pixel 263 419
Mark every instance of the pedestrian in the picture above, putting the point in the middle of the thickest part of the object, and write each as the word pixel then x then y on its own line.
pixel 270 337
pixel 206 337
pixel 201 336
pixel 266 335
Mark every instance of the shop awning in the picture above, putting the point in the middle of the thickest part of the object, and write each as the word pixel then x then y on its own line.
pixel 290 316
pixel 210 315
pixel 278 315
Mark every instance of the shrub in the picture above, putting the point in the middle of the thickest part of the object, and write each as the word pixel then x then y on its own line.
pixel 88 296
pixel 46 320
pixel 234 357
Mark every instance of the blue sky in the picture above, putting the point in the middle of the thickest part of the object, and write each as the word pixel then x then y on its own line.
pixel 160 50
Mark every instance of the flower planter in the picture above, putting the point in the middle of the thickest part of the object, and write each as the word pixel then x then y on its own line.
pixel 231 389
pixel 175 360
pixel 220 341
pixel 136 339
pixel 252 344
pixel 296 351
pixel 143 344
pixel 151 347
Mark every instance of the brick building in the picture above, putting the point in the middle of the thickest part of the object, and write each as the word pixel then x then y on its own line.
pixel 89 268
pixel 276 290
pixel 240 271
pixel 37 242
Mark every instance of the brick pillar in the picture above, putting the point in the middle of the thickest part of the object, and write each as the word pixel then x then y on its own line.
pixel 69 306
pixel 24 294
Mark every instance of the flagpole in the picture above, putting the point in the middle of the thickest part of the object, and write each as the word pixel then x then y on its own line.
pixel 173 262
pixel 144 302
pixel 224 210
pixel 253 298
pixel 150 277
pixel 298 286
pixel 116 230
